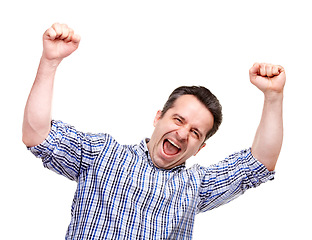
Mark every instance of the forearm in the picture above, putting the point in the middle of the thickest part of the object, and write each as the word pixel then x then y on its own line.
pixel 269 136
pixel 37 115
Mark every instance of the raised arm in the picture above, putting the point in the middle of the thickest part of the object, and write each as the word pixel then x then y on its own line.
pixel 59 41
pixel 270 79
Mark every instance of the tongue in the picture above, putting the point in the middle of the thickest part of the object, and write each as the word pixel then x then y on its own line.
pixel 169 149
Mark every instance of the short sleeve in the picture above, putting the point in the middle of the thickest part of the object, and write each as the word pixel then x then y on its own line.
pixel 230 178
pixel 67 151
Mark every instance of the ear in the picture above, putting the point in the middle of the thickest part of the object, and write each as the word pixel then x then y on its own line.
pixel 157 117
pixel 201 147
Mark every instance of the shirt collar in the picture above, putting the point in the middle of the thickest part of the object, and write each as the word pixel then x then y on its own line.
pixel 144 149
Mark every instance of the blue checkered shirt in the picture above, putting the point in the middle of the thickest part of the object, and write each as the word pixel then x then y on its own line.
pixel 122 195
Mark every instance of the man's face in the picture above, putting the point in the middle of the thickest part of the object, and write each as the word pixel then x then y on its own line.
pixel 180 133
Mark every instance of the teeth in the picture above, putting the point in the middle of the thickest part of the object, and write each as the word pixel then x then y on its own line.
pixel 173 144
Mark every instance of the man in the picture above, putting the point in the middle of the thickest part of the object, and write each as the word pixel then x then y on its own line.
pixel 144 191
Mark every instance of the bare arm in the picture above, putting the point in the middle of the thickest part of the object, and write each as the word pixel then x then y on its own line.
pixel 270 79
pixel 59 41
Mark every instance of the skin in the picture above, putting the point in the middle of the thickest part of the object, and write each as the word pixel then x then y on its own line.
pixel 267 144
pixel 59 41
pixel 185 124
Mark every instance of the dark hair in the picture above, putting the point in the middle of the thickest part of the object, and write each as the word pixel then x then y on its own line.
pixel 205 97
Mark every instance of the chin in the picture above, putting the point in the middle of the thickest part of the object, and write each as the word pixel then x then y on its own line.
pixel 167 162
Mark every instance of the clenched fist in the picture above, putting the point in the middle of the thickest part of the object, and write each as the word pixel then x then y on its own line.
pixel 59 41
pixel 268 78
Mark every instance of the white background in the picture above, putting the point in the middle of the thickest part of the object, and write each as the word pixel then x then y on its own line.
pixel 132 55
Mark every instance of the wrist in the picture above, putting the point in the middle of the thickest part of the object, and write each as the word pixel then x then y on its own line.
pixel 51 63
pixel 47 69
pixel 272 96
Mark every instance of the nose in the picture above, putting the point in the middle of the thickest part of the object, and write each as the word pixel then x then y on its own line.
pixel 182 133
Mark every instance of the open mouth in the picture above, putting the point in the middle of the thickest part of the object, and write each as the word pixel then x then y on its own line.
pixel 170 148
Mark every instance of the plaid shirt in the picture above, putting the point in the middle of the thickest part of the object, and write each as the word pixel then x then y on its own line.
pixel 122 195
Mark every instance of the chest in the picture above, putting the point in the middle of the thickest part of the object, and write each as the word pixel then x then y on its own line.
pixel 124 191
pixel 129 181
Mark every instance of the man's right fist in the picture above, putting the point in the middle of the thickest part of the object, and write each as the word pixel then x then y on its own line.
pixel 59 41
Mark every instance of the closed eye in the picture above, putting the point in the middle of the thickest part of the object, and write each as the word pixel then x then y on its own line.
pixel 197 135
pixel 178 120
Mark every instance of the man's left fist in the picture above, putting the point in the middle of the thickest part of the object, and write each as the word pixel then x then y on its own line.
pixel 268 77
